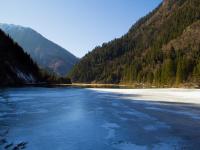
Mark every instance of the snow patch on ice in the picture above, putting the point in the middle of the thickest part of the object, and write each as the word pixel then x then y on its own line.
pixel 159 95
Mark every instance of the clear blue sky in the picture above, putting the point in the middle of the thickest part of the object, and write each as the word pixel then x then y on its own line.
pixel 77 25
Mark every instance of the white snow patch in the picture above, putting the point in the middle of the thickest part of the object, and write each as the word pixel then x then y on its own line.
pixel 28 78
pixel 162 95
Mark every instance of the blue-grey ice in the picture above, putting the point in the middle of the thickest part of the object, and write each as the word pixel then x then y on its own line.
pixel 86 119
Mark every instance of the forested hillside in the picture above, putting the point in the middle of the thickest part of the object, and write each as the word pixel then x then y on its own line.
pixel 162 48
pixel 16 66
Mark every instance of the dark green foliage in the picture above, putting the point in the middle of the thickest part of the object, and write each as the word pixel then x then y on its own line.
pixel 14 61
pixel 197 73
pixel 160 49
pixel 17 67
pixel 48 78
pixel 168 72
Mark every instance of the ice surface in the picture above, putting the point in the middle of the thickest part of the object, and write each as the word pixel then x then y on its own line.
pixel 100 119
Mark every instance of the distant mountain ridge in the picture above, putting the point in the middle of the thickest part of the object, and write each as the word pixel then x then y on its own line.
pixel 44 52
pixel 161 49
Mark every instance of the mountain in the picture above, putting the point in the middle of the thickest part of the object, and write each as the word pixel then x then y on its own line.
pixel 161 49
pixel 16 66
pixel 45 53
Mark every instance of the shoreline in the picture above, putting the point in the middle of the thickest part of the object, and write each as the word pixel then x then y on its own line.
pixel 126 86
pixel 99 85
pixel 104 85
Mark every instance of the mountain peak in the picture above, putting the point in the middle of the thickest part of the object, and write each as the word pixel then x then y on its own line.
pixel 11 26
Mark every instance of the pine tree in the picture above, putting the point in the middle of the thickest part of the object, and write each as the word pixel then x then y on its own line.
pixel 168 72
pixel 180 72
pixel 196 74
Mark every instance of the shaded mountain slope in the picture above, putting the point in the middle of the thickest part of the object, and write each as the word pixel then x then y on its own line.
pixel 45 53
pixel 16 66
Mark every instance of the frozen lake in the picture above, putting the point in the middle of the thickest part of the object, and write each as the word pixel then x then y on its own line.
pixel 97 119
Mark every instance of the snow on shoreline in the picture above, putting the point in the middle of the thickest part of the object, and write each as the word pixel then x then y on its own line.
pixel 163 95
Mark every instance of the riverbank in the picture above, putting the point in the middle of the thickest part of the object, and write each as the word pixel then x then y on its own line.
pixel 128 85
pixel 99 85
